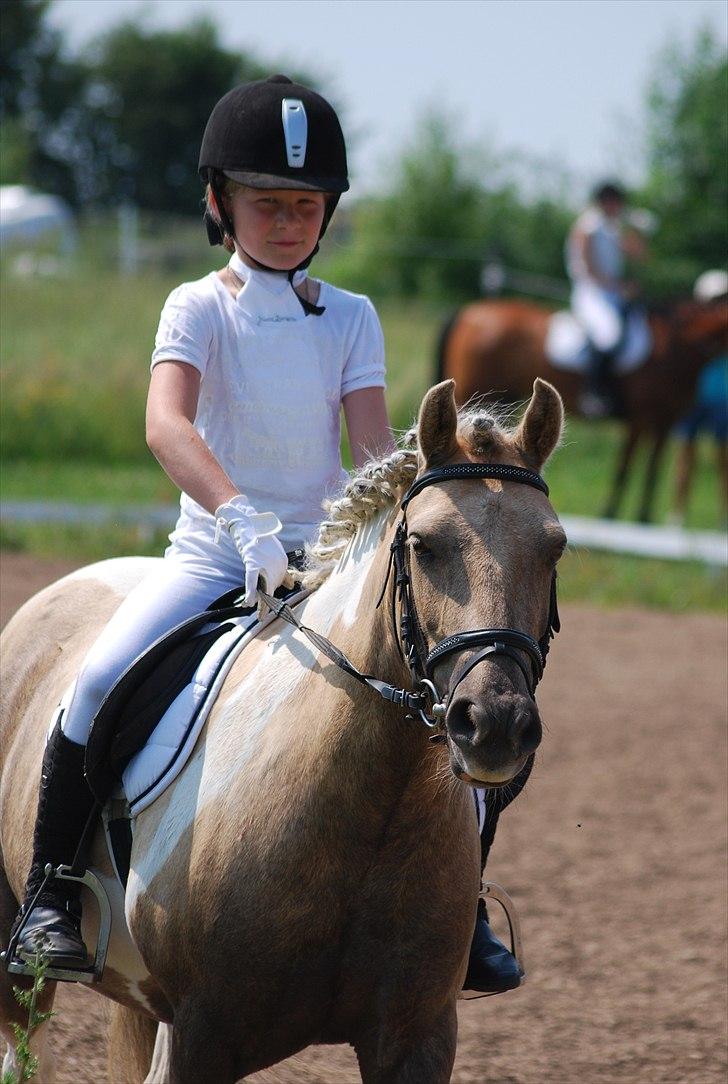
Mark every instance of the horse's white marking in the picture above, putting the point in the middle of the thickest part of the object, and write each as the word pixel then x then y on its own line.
pixel 121 574
pixel 227 747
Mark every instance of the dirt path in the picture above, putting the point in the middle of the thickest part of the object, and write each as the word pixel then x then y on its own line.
pixel 615 856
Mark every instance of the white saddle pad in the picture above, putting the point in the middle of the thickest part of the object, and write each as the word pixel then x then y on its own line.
pixel 153 768
pixel 567 346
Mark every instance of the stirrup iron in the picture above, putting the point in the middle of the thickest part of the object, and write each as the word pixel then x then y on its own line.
pixel 17 965
pixel 493 891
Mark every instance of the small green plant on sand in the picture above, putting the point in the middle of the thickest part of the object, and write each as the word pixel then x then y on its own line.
pixel 27 1063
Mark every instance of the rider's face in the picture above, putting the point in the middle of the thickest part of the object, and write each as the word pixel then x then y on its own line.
pixel 277 227
pixel 612 206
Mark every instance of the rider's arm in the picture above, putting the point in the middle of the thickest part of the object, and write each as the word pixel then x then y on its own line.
pixel 171 407
pixel 367 424
pixel 634 245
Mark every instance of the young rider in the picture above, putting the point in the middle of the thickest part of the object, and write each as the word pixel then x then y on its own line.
pixel 250 369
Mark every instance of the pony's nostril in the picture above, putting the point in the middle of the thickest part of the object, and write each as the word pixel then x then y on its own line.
pixel 528 731
pixel 460 720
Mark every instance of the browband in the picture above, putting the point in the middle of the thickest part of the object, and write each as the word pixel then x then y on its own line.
pixel 501 471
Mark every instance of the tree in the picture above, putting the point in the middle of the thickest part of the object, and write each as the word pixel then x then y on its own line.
pixel 423 238
pixel 24 41
pixel 146 102
pixel 122 121
pixel 36 85
pixel 687 147
pixel 450 207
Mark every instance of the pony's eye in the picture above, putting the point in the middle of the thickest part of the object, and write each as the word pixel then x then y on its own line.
pixel 418 546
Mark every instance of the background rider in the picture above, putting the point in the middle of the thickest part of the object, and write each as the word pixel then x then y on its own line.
pixel 601 245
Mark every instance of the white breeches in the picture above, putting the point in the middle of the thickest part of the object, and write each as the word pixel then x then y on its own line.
pixel 598 311
pixel 187 582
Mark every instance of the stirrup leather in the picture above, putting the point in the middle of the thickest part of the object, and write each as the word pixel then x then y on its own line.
pixel 17 965
pixel 493 891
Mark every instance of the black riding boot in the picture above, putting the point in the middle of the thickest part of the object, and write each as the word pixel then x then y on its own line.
pixel 492 968
pixel 599 398
pixel 65 804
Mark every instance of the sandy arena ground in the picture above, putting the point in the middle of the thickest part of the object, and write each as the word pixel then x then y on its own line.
pixel 615 856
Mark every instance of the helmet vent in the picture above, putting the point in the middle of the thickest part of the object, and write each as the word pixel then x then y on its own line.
pixel 295 131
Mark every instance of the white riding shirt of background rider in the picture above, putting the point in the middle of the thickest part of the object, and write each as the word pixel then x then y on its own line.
pixel 597 307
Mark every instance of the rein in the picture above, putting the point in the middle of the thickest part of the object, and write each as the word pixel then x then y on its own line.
pixel 424 699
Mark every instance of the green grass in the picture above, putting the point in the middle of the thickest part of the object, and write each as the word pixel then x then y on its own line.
pixel 75 368
pixel 607 580
pixel 86 483
pixel 81 543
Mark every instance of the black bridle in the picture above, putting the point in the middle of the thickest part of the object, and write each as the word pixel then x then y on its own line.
pixel 424 700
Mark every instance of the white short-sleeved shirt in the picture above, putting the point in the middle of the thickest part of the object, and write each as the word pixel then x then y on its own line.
pixel 273 379
pixel 605 245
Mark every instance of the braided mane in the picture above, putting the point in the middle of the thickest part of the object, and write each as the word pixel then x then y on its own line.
pixel 381 483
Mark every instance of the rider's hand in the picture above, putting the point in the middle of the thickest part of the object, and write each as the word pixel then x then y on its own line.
pixel 254 534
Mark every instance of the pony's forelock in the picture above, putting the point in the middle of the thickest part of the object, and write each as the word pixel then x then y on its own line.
pixel 380 484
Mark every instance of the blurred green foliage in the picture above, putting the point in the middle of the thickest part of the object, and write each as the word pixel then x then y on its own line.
pixel 687 158
pixel 449 208
pixel 123 120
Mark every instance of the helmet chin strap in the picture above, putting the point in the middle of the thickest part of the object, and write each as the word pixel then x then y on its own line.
pixel 217 229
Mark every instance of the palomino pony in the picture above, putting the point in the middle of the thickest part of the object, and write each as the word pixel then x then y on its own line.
pixel 497 348
pixel 312 874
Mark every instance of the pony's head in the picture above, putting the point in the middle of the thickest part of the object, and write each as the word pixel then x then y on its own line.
pixel 478 554
pixel 482 555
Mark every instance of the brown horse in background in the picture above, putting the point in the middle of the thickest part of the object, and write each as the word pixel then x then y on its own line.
pixel 497 348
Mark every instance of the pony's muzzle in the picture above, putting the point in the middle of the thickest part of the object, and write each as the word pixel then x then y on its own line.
pixel 493 736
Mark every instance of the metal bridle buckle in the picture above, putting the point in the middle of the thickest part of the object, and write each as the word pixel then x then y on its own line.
pixel 438 709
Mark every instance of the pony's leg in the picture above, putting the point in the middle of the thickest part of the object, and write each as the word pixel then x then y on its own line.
pixel 196 1050
pixel 13 1013
pixel 159 1070
pixel 653 464
pixel 424 1059
pixel 131 1045
pixel 629 445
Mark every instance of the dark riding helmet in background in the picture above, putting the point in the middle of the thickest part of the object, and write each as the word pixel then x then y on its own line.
pixel 609 190
pixel 273 133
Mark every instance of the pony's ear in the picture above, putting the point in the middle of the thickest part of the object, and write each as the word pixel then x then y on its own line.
pixel 437 425
pixel 542 424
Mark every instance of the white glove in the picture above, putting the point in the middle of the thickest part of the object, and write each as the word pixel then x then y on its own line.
pixel 254 534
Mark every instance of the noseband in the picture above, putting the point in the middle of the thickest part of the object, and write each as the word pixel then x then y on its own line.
pixel 425 700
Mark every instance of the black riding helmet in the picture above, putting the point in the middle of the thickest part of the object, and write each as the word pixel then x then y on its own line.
pixel 609 190
pixel 273 133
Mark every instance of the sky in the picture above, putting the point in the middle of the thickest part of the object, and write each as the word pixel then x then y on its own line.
pixel 562 81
